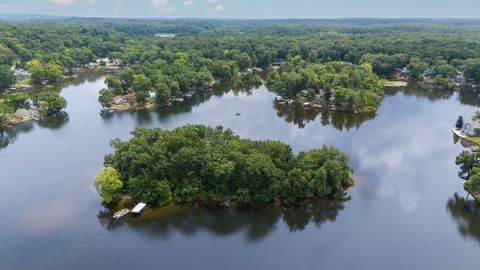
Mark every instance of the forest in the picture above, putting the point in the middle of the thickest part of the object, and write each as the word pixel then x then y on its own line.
pixel 469 164
pixel 223 49
pixel 196 163
pixel 349 87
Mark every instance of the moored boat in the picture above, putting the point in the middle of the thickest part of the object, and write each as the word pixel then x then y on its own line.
pixel 121 213
pixel 138 209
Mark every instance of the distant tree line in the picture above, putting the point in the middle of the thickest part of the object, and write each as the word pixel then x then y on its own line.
pixel 225 48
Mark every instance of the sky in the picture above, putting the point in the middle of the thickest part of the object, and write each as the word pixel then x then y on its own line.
pixel 248 8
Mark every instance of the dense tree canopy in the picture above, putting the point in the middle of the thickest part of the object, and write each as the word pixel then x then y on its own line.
pixel 352 86
pixel 6 77
pixel 470 171
pixel 206 48
pixel 198 163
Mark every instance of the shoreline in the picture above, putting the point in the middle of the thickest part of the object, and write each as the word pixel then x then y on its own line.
pixel 457 133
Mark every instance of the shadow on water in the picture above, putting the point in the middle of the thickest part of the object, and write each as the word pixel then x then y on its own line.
pixel 256 223
pixel 466 212
pixel 300 116
pixel 10 135
pixel 417 90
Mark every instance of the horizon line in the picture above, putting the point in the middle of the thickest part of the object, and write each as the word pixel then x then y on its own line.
pixel 236 18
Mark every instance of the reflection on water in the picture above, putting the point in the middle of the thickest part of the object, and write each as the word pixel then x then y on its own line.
pixel 406 166
pixel 300 116
pixel 9 135
pixel 466 212
pixel 469 96
pixel 256 223
pixel 417 90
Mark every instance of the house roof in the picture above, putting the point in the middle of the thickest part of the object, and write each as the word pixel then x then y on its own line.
pixel 138 208
pixel 475 124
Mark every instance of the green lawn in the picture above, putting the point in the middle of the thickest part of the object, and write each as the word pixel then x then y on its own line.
pixel 396 84
pixel 24 81
pixel 474 139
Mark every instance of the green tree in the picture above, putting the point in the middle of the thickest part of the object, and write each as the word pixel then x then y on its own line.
pixel 114 84
pixel 417 67
pixel 49 103
pixel 17 100
pixel 5 112
pixel 105 97
pixel 141 86
pixel 6 77
pixel 467 162
pixel 108 184
pixel 150 191
pixel 53 72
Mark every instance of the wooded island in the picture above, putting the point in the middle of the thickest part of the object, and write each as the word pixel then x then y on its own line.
pixel 196 163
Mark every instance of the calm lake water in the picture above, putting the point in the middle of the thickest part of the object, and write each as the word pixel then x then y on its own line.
pixel 407 210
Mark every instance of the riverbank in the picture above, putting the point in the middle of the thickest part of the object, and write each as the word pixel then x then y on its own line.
pixel 475 194
pixel 322 105
pixel 136 106
pixel 396 83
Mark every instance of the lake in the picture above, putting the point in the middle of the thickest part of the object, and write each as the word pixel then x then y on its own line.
pixel 407 209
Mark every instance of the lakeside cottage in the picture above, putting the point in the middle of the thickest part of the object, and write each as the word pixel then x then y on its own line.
pixel 431 72
pixel 277 62
pixel 472 129
pixel 459 78
pixel 20 74
pixel 117 100
pixel 26 114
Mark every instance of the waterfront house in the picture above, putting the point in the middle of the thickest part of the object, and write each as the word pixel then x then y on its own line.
pixel 459 78
pixel 152 95
pixel 117 100
pixel 430 72
pixel 405 71
pixel 26 114
pixel 277 62
pixel 472 129
pixel 303 93
pixel 20 74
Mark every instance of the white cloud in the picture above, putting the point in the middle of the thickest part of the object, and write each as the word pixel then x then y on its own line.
pixel 162 5
pixel 217 5
pixel 189 3
pixel 62 2
pixel 91 2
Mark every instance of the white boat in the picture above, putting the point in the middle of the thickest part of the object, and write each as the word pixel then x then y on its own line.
pixel 138 209
pixel 121 213
pixel 459 133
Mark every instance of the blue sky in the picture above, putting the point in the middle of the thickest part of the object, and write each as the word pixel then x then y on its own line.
pixel 248 8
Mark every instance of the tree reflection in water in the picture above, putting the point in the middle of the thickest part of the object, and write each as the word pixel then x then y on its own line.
pixel 466 212
pixel 256 223
pixel 302 116
pixel 9 135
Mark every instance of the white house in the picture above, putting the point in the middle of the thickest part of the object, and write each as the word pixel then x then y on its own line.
pixel 472 129
pixel 26 113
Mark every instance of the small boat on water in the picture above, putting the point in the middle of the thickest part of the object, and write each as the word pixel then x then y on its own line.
pixel 121 213
pixel 459 133
pixel 138 209
pixel 238 114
